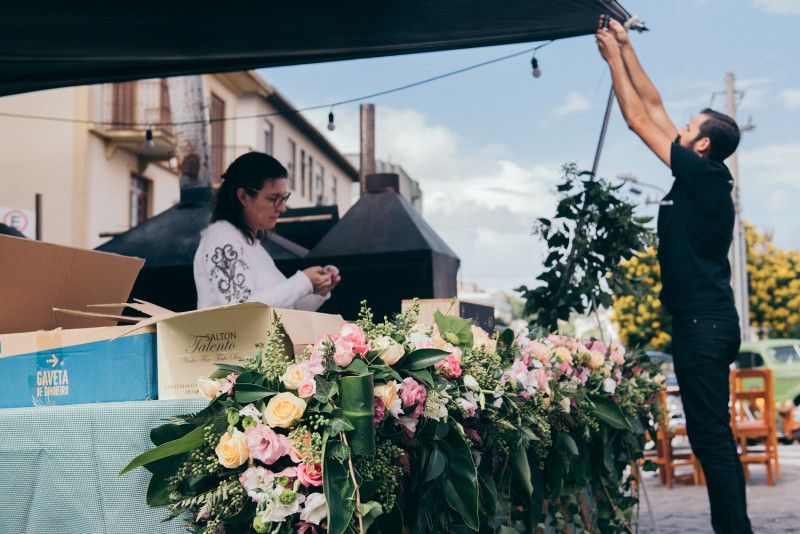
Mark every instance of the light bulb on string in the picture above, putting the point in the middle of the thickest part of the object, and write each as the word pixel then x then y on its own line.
pixel 331 125
pixel 148 138
pixel 537 72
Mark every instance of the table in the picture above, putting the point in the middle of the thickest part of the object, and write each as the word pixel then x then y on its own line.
pixel 59 464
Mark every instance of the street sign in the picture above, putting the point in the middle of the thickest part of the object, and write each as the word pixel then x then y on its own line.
pixel 20 219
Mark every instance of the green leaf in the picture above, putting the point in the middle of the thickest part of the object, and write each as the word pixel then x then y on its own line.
pixel 421 359
pixel 340 493
pixel 507 337
pixel 189 442
pixel 462 328
pixel 423 376
pixel 608 411
pixel 569 443
pixel 436 465
pixel 461 480
pixel 522 472
pixel 339 425
pixel 358 408
pixel 245 515
pixel 232 368
pixel 247 393
pixel 370 512
pixel 357 367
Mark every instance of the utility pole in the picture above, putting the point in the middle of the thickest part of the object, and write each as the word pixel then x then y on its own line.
pixel 367 163
pixel 189 114
pixel 738 251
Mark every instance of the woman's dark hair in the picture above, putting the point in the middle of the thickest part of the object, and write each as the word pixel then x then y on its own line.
pixel 722 131
pixel 249 172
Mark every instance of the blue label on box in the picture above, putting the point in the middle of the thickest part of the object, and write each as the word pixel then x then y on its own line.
pixel 122 369
pixel 51 379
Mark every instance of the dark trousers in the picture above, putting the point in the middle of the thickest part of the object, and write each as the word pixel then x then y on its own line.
pixel 704 346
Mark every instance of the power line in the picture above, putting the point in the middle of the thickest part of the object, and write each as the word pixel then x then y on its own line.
pixel 274 113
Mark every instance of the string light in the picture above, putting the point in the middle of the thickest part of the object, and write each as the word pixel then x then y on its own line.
pixel 148 139
pixel 134 125
pixel 537 72
pixel 331 125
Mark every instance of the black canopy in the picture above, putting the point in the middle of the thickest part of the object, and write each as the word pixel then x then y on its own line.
pixel 54 44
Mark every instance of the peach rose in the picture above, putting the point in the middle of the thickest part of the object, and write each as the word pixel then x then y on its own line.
pixel 232 450
pixel 284 409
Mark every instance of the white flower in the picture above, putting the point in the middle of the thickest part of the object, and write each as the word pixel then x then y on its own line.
pixel 659 378
pixel 471 383
pixel 435 406
pixel 316 509
pixel 250 411
pixel 295 374
pixel 468 404
pixel 565 404
pixel 609 385
pixel 276 510
pixel 481 340
pixel 409 423
pixel 419 340
pixel 498 402
pixel 209 388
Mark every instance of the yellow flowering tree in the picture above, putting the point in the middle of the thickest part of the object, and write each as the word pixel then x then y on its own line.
pixel 641 320
pixel 774 286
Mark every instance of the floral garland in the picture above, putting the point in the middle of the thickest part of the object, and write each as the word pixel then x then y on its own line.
pixel 398 427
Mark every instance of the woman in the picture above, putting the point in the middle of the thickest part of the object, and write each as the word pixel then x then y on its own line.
pixel 230 265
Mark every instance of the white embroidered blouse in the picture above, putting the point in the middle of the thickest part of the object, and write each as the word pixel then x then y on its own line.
pixel 229 270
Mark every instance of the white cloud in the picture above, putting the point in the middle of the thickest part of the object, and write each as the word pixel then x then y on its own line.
pixel 481 202
pixel 772 165
pixel 779 7
pixel 573 103
pixel 791 99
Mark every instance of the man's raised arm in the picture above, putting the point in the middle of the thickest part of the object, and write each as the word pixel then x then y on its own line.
pixel 641 82
pixel 631 104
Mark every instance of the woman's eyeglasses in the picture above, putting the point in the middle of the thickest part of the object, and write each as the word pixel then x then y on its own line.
pixel 279 200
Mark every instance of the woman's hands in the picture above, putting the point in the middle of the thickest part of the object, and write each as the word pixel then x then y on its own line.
pixel 323 279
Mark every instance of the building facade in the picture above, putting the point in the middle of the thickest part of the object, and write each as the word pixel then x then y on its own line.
pixel 110 163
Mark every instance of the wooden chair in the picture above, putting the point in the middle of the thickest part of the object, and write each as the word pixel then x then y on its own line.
pixel 753 418
pixel 665 457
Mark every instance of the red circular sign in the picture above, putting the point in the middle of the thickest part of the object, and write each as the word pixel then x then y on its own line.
pixel 16 219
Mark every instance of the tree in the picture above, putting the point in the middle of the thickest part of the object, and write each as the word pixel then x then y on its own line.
pixel 773 277
pixel 640 318
pixel 773 287
pixel 593 231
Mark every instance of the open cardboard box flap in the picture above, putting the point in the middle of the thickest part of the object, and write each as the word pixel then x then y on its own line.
pixel 40 278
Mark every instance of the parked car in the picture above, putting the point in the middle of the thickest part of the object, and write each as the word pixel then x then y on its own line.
pixel 780 355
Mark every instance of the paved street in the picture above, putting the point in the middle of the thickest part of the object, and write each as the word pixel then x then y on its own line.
pixel 684 509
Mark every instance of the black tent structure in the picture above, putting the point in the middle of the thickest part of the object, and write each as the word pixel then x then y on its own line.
pixel 47 44
pixel 385 252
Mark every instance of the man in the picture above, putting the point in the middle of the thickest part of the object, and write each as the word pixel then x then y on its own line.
pixel 695 230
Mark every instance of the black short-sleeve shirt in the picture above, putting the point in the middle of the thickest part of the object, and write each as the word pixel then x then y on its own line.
pixel 695 234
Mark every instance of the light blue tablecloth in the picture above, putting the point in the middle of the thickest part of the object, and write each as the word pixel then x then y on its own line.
pixel 59 464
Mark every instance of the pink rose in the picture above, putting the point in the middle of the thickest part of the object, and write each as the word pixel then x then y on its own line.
pixel 450 367
pixel 617 354
pixel 344 353
pixel 353 335
pixel 265 444
pixel 306 388
pixel 310 474
pixel 565 368
pixel 411 393
pixel 599 346
pixel 228 383
pixel 314 363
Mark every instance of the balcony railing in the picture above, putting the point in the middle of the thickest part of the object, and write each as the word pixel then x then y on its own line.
pixel 127 110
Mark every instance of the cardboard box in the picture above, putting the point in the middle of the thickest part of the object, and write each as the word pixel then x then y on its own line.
pixel 481 314
pixel 37 277
pixel 54 367
pixel 190 344
pixel 47 357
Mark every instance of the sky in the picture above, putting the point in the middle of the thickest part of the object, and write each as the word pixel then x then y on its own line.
pixel 487 145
